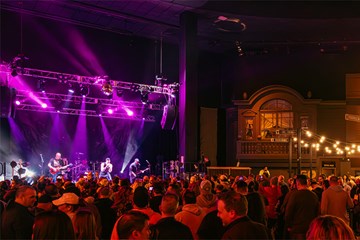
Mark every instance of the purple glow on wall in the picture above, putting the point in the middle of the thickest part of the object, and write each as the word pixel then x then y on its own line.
pixel 112 151
pixel 80 138
pixel 16 133
pixel 60 47
pixel 82 50
pixel 58 134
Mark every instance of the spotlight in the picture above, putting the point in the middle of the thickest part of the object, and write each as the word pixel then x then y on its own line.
pixel 129 112
pixel 144 97
pixel 84 90
pixel 107 89
pixel 17 102
pixel 71 89
pixel 134 87
pixel 44 105
pixel 110 111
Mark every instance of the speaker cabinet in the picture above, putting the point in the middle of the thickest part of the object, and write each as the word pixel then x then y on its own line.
pixel 168 119
pixel 7 98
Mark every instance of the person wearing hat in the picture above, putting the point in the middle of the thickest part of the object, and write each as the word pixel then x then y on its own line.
pixel 68 203
pixel 206 199
pixel 224 181
pixel 83 219
pixel 106 169
pixel 211 226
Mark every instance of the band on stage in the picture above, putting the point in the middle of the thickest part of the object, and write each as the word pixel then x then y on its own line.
pixel 60 167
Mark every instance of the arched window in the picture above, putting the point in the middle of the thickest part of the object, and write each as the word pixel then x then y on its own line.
pixel 275 114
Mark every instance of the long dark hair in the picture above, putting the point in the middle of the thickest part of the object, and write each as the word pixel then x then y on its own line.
pixel 53 225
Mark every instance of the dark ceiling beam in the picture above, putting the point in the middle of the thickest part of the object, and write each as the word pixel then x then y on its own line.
pixel 116 14
pixel 61 19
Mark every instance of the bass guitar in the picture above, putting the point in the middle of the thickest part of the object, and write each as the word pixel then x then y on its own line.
pixel 54 170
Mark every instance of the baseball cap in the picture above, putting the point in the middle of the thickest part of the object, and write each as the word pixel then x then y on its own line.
pixel 68 198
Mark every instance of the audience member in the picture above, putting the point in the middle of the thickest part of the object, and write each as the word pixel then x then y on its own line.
pixel 206 199
pixel 330 228
pixel 335 201
pixel 52 225
pixel 167 227
pixel 132 225
pixel 156 196
pixel 84 224
pixel 232 209
pixel 107 214
pixel 191 214
pixel 141 203
pixel 256 203
pixel 301 209
pixel 17 220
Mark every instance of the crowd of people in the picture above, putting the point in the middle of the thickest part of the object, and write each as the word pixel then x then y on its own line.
pixel 203 207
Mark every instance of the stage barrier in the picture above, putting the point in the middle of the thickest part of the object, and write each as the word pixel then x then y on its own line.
pixel 233 171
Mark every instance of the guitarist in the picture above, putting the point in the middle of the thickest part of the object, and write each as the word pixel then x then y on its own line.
pixel 106 168
pixel 134 170
pixel 57 166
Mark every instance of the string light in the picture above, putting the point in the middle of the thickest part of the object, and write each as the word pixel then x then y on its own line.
pixel 316 141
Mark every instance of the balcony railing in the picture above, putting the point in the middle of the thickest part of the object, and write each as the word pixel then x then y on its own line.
pixel 266 147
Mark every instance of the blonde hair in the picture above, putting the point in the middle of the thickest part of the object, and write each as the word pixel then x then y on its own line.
pixel 329 227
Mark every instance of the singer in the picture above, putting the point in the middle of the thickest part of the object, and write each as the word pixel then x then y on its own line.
pixel 105 169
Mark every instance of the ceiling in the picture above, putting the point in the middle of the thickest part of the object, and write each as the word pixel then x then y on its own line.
pixel 242 24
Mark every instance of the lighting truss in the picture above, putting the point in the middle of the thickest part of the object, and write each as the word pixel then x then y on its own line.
pixel 79 112
pixel 167 89
pixel 24 94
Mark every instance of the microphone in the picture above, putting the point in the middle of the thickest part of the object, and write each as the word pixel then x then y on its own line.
pixel 147 162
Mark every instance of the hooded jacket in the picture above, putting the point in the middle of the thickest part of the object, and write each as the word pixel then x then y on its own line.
pixel 191 215
pixel 335 201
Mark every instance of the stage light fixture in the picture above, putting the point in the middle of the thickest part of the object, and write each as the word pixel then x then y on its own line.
pixel 17 102
pixel 107 89
pixel 110 111
pixel 144 97
pixel 71 89
pixel 129 112
pixel 84 90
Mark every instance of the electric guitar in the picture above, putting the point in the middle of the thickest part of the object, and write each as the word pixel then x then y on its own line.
pixel 54 170
pixel 139 172
pixel 142 171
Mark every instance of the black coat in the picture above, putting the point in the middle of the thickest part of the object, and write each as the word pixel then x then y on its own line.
pixel 244 228
pixel 17 222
